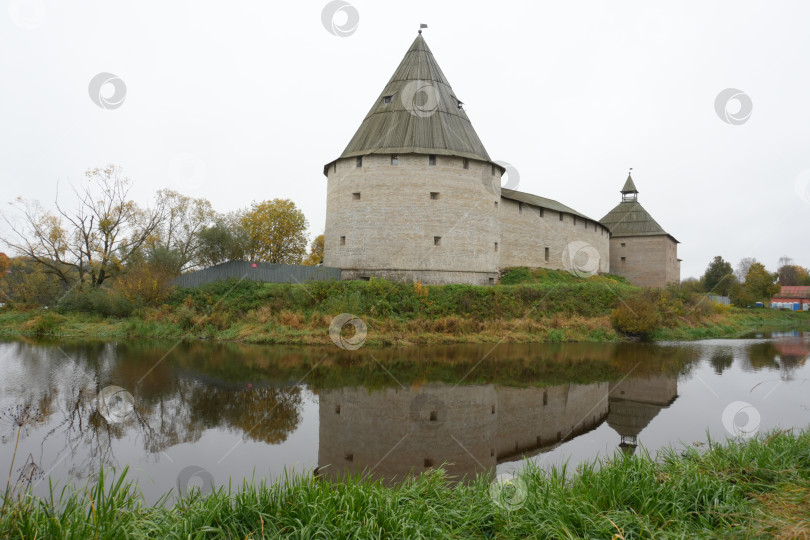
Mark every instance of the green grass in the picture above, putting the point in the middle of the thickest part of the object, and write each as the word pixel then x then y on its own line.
pixel 752 489
pixel 529 306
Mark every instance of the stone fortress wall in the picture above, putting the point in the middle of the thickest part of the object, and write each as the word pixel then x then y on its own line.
pixel 550 239
pixel 445 223
pixel 647 261
pixel 413 220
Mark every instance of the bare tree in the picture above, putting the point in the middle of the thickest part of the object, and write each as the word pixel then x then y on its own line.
pixel 93 239
pixel 185 219
pixel 742 268
pixel 788 273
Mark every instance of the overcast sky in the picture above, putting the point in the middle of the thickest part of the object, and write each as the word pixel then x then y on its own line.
pixel 244 101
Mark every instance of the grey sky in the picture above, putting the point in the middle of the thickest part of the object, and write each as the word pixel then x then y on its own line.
pixel 247 100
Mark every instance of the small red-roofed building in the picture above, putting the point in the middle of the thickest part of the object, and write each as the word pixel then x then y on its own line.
pixel 792 297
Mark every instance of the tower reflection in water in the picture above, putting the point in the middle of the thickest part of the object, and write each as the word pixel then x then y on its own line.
pixel 394 432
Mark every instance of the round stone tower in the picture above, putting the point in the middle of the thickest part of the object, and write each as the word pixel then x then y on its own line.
pixel 415 196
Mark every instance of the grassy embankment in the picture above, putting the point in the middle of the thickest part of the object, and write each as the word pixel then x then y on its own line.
pixel 538 306
pixel 754 489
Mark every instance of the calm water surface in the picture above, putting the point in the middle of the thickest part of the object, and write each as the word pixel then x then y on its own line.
pixel 205 414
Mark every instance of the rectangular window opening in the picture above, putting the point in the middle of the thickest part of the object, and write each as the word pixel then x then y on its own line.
pixel 561 216
pixel 492 281
pixel 348 457
pixel 394 160
pixel 387 99
pixel 493 170
pixel 575 219
pixel 546 254
pixel 622 244
pixel 545 397
pixel 520 208
pixel 437 240
pixel 623 259
pixel 496 204
pixel 542 212
pixel 466 163
pixel 356 196
pixel 359 161
pixel 431 160
pixel 434 416
pixel 434 195
pixel 342 240
pixel 496 246
pixel 428 463
pixel 337 409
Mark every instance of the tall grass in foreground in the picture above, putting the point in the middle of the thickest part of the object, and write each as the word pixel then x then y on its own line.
pixel 757 488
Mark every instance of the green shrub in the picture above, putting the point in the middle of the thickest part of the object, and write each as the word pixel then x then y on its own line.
pixel 44 324
pixel 637 316
pixel 97 301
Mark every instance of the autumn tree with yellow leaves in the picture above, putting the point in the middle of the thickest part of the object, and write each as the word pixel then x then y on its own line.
pixel 276 232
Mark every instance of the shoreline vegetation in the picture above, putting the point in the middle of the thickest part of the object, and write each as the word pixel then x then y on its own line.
pixel 527 307
pixel 755 488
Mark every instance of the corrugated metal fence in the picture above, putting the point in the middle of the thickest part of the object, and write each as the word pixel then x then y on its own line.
pixel 267 272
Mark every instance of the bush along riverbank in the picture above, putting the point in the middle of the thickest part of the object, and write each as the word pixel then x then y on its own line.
pixel 739 489
pixel 529 306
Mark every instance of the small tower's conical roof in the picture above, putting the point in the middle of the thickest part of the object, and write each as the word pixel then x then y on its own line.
pixel 417 112
pixel 629 218
pixel 629 186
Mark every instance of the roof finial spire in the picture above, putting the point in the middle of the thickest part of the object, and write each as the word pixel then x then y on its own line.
pixel 422 25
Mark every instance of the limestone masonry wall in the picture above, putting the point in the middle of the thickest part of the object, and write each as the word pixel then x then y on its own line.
pixel 438 223
pixel 527 235
pixel 647 261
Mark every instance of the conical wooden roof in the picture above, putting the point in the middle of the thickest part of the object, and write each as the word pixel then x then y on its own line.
pixel 629 218
pixel 629 185
pixel 417 112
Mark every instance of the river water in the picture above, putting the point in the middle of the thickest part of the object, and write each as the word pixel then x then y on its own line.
pixel 201 415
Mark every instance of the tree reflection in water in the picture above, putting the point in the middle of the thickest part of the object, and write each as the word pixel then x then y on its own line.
pixel 523 400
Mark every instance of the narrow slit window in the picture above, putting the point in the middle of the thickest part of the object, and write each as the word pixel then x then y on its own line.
pixel 466 163
pixel 434 195
pixel 542 212
pixel 337 409
pixel 493 170
pixel 359 161
pixel 520 208
pixel 394 159
pixel 575 219
pixel 431 160
pixel 356 196
pixel 334 167
pixel 496 204
pixel 437 240
pixel 496 246
pixel 434 416
pixel 546 254
pixel 561 216
pixel 342 240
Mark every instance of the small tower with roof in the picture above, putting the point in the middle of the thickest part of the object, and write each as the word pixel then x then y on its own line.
pixel 640 249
